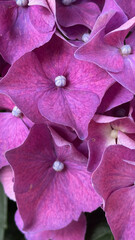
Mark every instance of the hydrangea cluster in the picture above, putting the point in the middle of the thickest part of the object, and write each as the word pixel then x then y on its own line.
pixel 67 114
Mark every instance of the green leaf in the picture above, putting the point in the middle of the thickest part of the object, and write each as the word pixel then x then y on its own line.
pixel 1 234
pixel 102 232
pixel 3 212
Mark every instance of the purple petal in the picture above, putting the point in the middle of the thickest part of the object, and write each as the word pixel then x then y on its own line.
pixel 114 96
pixel 113 173
pixel 120 207
pixel 75 230
pixel 6 178
pixel 69 109
pixel 13 132
pixel 22 38
pixel 63 195
pixel 99 139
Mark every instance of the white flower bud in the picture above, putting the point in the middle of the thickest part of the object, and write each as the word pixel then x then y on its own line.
pixel 58 166
pixel 126 50
pixel 16 112
pixel 85 37
pixel 22 3
pixel 60 81
pixel 68 2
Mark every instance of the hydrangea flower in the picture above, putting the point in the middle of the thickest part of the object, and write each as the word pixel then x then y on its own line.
pixel 24 25
pixel 56 86
pixel 112 49
pixel 67 67
pixel 6 179
pixel 51 177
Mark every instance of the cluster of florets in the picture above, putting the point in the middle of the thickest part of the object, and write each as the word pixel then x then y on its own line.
pixel 67 114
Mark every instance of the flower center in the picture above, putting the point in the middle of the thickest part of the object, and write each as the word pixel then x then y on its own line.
pixel 85 37
pixel 58 166
pixel 16 112
pixel 22 3
pixel 126 49
pixel 114 133
pixel 60 81
pixel 68 2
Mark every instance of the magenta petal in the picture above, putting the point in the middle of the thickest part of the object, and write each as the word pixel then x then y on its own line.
pixel 104 119
pixel 63 195
pixel 111 16
pixel 17 85
pixel 114 179
pixel 127 76
pixel 6 178
pixel 99 139
pixel 126 125
pixel 64 132
pixel 8 14
pixel 98 52
pixel 36 93
pixel 75 230
pixel 114 96
pixel 6 103
pixel 28 162
pixel 125 140
pixel 120 208
pixel 116 37
pixel 42 19
pixel 70 107
pixel 22 37
pixel 128 7
pixel 84 13
pixel 13 132
pixel 112 6
pixel 113 172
